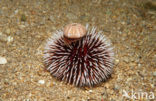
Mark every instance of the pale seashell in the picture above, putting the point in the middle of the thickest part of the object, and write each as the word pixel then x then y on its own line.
pixel 74 31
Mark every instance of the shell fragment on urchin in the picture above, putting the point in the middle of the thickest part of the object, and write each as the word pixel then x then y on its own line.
pixel 85 62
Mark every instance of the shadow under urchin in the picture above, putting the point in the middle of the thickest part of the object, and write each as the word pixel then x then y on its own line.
pixel 86 62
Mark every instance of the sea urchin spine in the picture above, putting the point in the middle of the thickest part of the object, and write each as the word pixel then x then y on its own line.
pixel 85 62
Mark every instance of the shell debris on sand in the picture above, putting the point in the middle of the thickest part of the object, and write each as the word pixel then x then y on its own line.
pixel 4 37
pixel 3 60
pixel 41 82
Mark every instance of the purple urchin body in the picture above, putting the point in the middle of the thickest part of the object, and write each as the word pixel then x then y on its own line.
pixel 85 62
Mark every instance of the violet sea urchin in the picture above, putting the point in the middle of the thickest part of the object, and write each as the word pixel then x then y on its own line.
pixel 84 62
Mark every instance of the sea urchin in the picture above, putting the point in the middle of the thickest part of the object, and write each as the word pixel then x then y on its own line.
pixel 84 62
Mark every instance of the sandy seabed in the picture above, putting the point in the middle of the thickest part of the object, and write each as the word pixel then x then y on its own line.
pixel 25 25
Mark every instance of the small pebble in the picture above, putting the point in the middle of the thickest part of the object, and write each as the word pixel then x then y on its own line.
pixel 3 60
pixel 152 85
pixel 16 11
pixel 90 91
pixel 41 82
pixel 4 37
pixel 116 61
pixel 10 39
pixel 154 73
pixel 139 65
